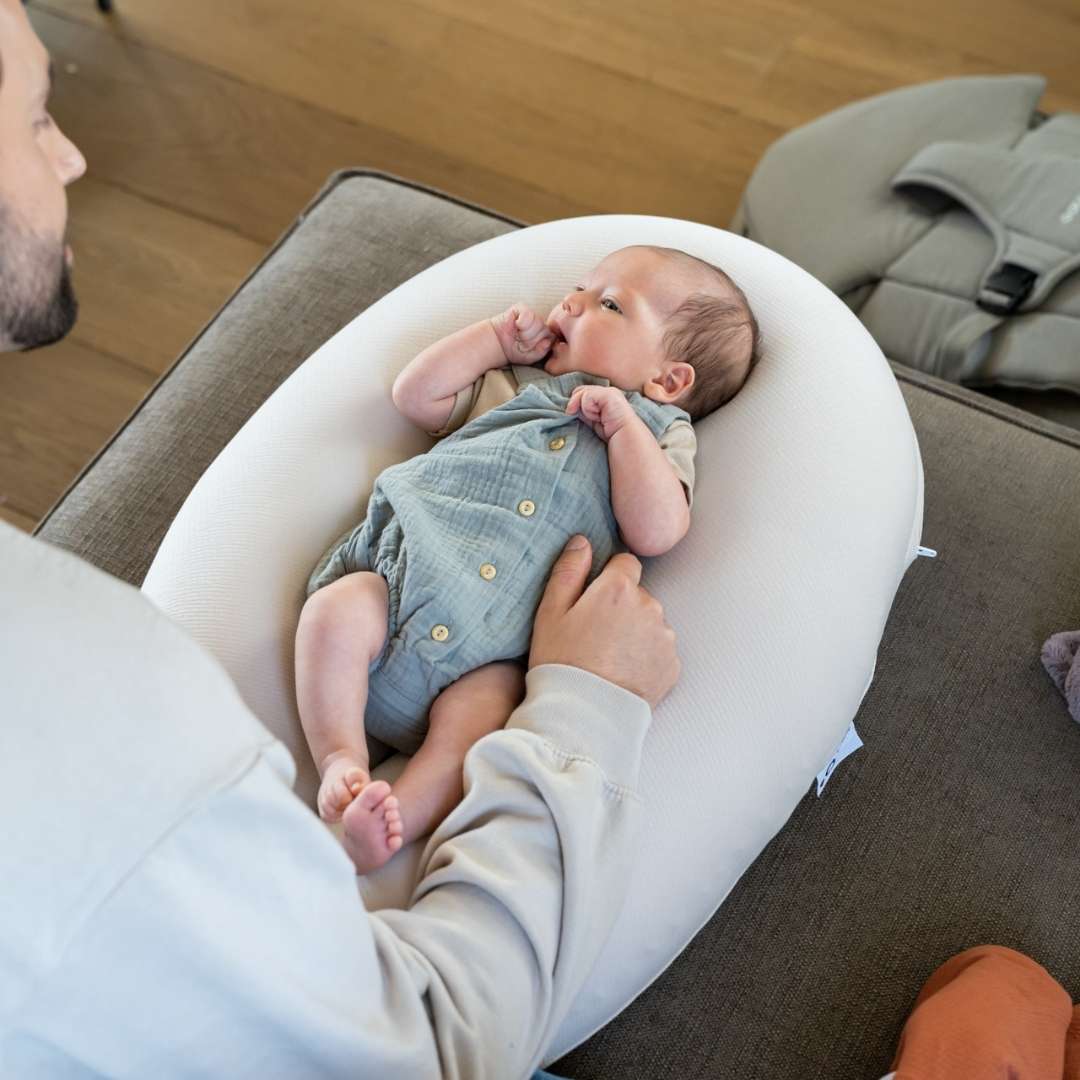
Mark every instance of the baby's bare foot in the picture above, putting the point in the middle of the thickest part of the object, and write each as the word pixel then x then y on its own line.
pixel 373 829
pixel 343 780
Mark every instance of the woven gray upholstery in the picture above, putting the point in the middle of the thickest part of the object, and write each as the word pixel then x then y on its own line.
pixel 958 824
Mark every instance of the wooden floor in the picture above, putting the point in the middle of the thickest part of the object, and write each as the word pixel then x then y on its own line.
pixel 208 125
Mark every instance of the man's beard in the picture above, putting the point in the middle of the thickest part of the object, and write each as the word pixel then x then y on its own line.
pixel 37 301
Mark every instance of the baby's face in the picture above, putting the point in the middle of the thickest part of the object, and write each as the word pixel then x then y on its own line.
pixel 612 324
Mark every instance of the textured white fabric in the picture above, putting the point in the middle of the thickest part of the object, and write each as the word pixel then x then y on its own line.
pixel 807 511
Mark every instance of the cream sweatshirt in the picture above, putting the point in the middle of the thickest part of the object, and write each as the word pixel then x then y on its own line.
pixel 171 909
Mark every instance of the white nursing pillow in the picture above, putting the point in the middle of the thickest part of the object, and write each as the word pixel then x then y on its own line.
pixel 807 512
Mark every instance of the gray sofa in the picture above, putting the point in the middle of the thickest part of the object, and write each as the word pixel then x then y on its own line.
pixel 957 824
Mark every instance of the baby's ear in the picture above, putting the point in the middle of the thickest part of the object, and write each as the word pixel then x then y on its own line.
pixel 672 383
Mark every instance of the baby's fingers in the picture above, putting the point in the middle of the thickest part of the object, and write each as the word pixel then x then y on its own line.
pixel 542 340
pixel 529 325
pixel 529 354
pixel 590 407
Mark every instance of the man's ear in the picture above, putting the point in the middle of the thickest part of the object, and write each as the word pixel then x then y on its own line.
pixel 671 384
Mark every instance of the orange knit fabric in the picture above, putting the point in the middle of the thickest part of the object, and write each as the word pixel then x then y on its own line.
pixel 990 1013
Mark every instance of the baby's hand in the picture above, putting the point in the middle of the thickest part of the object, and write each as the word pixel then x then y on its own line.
pixel 523 335
pixel 604 408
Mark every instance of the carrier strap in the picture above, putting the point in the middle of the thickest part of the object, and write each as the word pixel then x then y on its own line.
pixel 1026 203
pixel 955 357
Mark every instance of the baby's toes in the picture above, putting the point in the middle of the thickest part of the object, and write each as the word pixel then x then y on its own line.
pixel 375 793
pixel 354 781
pixel 393 821
pixel 394 828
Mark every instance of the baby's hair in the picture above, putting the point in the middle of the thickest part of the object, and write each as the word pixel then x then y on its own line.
pixel 717 334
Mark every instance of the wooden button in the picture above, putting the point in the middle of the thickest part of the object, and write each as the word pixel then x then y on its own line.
pixel 440 632
pixel 526 508
pixel 487 571
pixel 557 443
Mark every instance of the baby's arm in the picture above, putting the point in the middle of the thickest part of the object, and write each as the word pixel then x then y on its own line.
pixel 426 388
pixel 648 498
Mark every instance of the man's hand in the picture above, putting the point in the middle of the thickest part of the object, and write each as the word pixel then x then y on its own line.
pixel 615 629
pixel 523 335
pixel 604 408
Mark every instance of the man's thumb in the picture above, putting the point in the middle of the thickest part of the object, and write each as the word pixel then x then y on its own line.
pixel 567 579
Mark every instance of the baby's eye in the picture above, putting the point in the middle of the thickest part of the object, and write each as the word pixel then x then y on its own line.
pixel 607 300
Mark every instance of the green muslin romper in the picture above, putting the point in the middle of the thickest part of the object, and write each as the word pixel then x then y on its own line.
pixel 465 536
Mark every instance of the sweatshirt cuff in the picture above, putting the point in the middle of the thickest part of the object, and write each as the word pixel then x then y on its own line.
pixel 585 715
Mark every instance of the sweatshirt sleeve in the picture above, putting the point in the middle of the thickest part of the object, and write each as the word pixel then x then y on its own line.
pixel 519 887
pixel 171 908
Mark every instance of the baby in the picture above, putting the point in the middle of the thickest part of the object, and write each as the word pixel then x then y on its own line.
pixel 417 622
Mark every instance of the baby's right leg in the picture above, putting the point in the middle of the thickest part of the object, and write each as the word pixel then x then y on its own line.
pixel 342 629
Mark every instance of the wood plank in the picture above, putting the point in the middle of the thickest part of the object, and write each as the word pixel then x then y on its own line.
pixel 548 74
pixel 610 140
pixel 715 54
pixel 728 56
pixel 58 405
pixel 836 62
pixel 936 39
pixel 19 520
pixel 147 277
pixel 181 134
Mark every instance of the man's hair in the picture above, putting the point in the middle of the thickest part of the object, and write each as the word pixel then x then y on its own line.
pixel 715 332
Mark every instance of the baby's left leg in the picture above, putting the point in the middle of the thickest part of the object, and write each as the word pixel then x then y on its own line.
pixel 431 784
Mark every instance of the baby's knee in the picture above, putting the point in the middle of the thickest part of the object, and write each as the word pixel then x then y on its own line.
pixel 355 604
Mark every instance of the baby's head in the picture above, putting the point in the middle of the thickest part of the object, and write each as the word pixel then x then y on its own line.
pixel 667 324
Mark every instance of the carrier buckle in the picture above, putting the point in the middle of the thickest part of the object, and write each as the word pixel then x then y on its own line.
pixel 1006 289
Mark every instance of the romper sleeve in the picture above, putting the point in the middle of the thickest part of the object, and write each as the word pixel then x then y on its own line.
pixel 464 400
pixel 679 444
pixel 485 392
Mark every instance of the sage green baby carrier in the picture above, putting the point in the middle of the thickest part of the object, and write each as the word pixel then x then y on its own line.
pixel 947 216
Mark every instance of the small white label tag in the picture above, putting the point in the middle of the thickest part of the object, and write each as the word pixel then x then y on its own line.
pixel 928 553
pixel 849 745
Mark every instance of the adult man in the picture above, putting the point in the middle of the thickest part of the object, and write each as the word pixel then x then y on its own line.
pixel 37 304
pixel 169 907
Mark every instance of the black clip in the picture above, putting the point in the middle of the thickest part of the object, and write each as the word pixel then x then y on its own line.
pixel 1009 286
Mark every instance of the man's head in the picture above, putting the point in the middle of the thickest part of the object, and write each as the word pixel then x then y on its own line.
pixel 37 161
pixel 662 322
